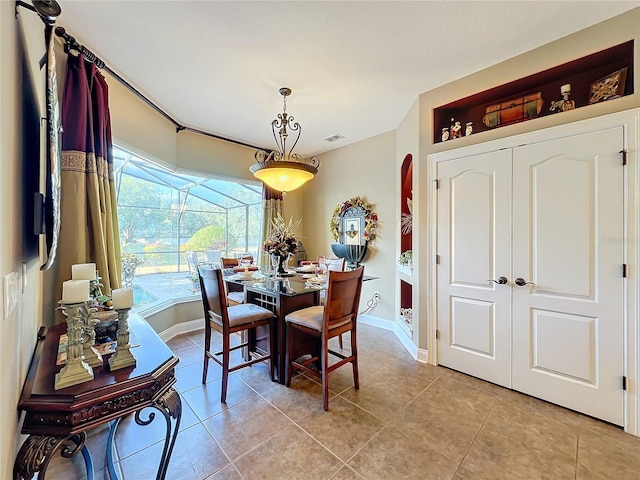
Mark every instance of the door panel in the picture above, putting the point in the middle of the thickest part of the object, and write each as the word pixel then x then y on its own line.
pixel 568 326
pixel 474 244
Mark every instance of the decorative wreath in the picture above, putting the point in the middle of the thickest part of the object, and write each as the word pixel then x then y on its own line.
pixel 370 218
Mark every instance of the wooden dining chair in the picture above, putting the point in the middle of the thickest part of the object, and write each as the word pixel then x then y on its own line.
pixel 229 262
pixel 336 264
pixel 338 315
pixel 228 320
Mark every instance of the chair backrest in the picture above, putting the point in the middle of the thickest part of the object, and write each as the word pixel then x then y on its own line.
pixel 335 264
pixel 229 262
pixel 192 261
pixel 343 298
pixel 214 298
pixel 246 258
pixel 213 256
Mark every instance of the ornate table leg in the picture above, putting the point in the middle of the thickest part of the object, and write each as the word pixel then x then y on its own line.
pixel 38 450
pixel 170 406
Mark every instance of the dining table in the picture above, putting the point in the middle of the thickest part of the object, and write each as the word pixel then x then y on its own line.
pixel 282 294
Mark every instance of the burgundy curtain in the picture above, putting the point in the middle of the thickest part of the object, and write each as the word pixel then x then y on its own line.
pixel 272 202
pixel 89 222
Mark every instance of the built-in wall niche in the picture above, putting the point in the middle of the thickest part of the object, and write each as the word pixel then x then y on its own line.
pixel 406 203
pixel 406 306
pixel 581 74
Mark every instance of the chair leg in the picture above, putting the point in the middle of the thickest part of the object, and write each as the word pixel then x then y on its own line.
pixel 272 350
pixel 340 342
pixel 354 362
pixel 289 367
pixel 325 376
pixel 207 346
pixel 225 367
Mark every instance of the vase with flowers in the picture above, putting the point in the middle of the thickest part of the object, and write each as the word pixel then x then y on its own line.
pixel 281 242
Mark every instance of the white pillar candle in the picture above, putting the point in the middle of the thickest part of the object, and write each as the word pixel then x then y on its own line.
pixel 75 291
pixel 122 298
pixel 83 271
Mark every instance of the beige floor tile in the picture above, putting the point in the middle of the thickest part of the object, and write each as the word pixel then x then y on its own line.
pixel 602 457
pixel 408 420
pixel 461 397
pixel 227 473
pixel 190 376
pixel 382 397
pixel 291 455
pixel 494 456
pixel 205 399
pixel 196 455
pixel 391 455
pixel 472 381
pixel 439 426
pixel 297 401
pixel 347 473
pixel 180 342
pixel 256 376
pixel 243 427
pixel 344 429
pixel 534 429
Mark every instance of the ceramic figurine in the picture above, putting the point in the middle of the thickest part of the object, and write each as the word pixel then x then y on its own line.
pixel 445 134
pixel 567 104
pixel 469 129
pixel 456 129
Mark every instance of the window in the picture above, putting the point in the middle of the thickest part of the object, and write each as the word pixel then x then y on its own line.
pixel 163 214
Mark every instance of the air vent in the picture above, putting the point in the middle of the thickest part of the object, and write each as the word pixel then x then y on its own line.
pixel 334 138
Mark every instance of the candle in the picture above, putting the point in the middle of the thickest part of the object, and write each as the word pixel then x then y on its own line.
pixel 75 291
pixel 83 271
pixel 122 298
pixel 565 88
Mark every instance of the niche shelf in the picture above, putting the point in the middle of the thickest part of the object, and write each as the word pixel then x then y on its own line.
pixel 579 73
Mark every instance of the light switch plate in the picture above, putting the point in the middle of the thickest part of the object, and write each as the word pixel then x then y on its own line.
pixel 10 293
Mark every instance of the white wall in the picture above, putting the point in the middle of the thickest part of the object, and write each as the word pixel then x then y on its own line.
pixel 367 169
pixel 18 331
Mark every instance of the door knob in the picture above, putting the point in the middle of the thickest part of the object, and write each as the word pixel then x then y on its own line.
pixel 521 282
pixel 499 281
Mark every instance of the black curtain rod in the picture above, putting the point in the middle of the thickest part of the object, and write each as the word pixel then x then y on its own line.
pixel 72 44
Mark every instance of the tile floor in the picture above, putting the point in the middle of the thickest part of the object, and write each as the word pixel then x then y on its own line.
pixel 407 421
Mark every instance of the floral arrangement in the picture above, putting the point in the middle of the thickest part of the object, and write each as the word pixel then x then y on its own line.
pixel 282 239
pixel 370 218
pixel 406 258
pixel 406 219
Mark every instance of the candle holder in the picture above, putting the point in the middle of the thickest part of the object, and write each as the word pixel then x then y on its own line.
pixel 122 358
pixel 91 355
pixel 75 370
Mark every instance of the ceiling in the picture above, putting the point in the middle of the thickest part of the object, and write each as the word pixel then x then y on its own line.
pixel 355 67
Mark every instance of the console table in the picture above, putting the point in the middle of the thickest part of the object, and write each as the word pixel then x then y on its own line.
pixel 58 420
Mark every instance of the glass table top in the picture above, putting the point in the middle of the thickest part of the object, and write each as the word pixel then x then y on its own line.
pixel 290 283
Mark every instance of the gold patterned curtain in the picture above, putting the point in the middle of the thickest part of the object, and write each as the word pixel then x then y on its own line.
pixel 272 202
pixel 89 219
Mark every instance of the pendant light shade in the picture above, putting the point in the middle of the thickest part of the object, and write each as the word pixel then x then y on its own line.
pixel 281 170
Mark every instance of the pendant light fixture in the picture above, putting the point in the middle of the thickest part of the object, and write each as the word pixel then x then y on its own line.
pixel 284 171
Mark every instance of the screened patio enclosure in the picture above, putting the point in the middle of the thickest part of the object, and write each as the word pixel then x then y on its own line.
pixel 163 214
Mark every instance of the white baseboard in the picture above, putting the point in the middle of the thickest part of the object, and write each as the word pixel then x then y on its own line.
pixel 423 355
pixel 180 328
pixel 376 322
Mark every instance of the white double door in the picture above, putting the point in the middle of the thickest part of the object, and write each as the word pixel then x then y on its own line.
pixel 549 215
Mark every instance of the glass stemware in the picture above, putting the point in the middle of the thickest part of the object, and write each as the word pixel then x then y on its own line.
pixel 275 263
